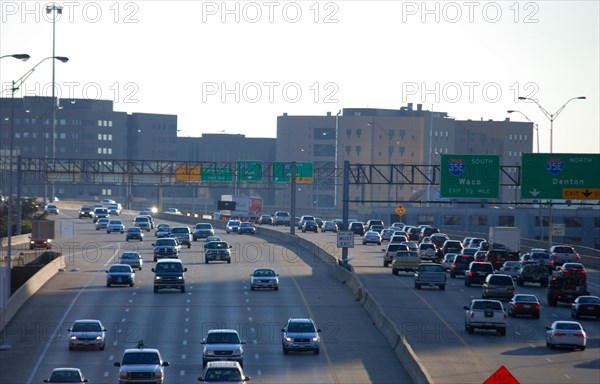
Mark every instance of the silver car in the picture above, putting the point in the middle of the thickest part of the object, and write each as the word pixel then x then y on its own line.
pixel 264 278
pixel 101 223
pixel 115 225
pixel 566 333
pixel 300 334
pixel 87 333
pixel 511 268
pixel 132 259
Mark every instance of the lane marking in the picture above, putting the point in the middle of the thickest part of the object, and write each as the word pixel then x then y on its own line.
pixel 532 346
pixel 548 359
pixel 568 377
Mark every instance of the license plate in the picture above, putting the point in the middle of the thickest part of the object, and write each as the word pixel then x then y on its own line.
pixel 526 306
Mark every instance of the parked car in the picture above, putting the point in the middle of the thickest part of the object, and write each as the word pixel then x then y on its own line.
pixel 222 345
pixel 134 233
pixel 300 334
pixel 566 334
pixel 66 375
pixel 87 333
pixel 329 226
pixel 371 237
pixel 521 304
pixel 120 274
pixel 132 259
pixel 264 278
pixel 586 306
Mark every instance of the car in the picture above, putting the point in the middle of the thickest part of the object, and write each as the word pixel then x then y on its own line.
pixel 390 252
pixel 303 218
pixel 166 247
pixel 86 211
pixel 120 274
pixel 564 254
pixel 376 228
pixel 282 218
pixel 66 375
pixel 87 333
pixel 357 227
pixel 247 227
pixel 371 237
pixel 475 242
pixel 150 218
pixel 427 251
pixel 114 209
pixel 265 219
pixel 521 304
pixel 169 274
pixel 398 239
pixel 480 255
pixel 586 306
pixel 329 226
pixel 217 251
pixel 398 224
pixel 477 273
pixel 115 225
pixel 40 243
pixel 511 268
pixel 499 286
pixel 466 241
pixel 143 222
pixel 100 213
pixel 222 345
pixel 162 230
pixel 428 231
pixel 102 223
pixel 107 202
pixel 212 238
pixel 572 268
pixel 300 334
pixel 566 334
pixel 319 222
pixel 264 278
pixel 51 208
pixel 411 246
pixel 459 265
pixel 370 223
pixel 183 234
pixel 413 233
pixel 232 226
pixel 387 233
pixel 230 372
pixel 132 259
pixel 469 251
pixel 141 365
pixel 532 273
pixel 173 211
pixel 202 231
pixel 448 260
pixel 439 239
pixel 542 255
pixel 451 246
pixel 134 233
pixel 310 225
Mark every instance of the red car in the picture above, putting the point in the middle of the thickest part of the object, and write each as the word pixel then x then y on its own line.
pixel 524 305
pixel 41 243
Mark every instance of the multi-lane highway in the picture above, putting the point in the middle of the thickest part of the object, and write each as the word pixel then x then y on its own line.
pixel 217 296
pixel 433 322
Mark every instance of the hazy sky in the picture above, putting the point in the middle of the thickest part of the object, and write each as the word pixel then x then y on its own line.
pixel 235 66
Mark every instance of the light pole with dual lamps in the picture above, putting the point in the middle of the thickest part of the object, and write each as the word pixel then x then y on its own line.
pixel 54 9
pixel 19 56
pixel 535 126
pixel 16 85
pixel 551 117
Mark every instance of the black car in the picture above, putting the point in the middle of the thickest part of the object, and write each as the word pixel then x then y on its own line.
pixel 247 227
pixel 86 211
pixel 460 265
pixel 357 227
pixel 134 233
pixel 310 225
pixel 586 306
pixel 477 273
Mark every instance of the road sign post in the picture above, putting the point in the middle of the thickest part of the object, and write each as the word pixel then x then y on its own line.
pixel 470 176
pixel 345 239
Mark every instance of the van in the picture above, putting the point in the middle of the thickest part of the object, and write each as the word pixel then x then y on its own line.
pixel 498 286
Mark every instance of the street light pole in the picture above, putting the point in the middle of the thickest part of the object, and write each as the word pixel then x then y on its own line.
pixel 535 126
pixel 335 166
pixel 551 117
pixel 54 9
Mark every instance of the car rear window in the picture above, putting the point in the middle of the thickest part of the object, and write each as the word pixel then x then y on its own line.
pixel 564 250
pixel 501 280
pixel 487 305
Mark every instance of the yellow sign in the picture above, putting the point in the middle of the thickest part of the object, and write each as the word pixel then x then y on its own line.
pixel 185 173
pixel 581 193
pixel 400 210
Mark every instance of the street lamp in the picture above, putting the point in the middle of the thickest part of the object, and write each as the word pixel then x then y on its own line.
pixel 535 126
pixel 16 84
pixel 54 9
pixel 552 116
pixel 20 56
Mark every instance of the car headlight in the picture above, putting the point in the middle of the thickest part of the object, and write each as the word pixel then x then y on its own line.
pixel 156 277
pixel 122 375
pixel 158 375
pixel 73 338
pixel 209 353
pixel 179 277
pixel 315 338
pixel 99 337
pixel 288 339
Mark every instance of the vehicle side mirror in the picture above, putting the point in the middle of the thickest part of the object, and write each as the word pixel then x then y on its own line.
pixel 243 342
pixel 466 307
pixel 203 341
pixel 383 249
pixel 318 330
pixel 165 364
pixel 69 330
pixel 184 269
pixel 231 246
pixel 152 269
pixel 152 244
pixel 117 363
pixel 106 271
pixel 246 378
pixel 282 329
pixel 200 378
pixel 46 381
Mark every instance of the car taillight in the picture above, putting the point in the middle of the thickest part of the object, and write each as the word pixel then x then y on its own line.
pixel 577 257
pixel 454 266
pixel 504 315
pixel 555 256
pixel 583 271
pixel 517 305
pixel 470 273
pixel 558 334
pixel 550 261
pixel 472 315
pixel 579 335
pixel 537 306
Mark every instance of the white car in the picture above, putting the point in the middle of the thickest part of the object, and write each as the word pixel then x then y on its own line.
pixel 115 225
pixel 264 278
pixel 567 334
pixel 511 268
pixel 51 208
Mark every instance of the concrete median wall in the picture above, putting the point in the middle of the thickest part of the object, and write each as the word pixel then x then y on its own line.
pixel 17 299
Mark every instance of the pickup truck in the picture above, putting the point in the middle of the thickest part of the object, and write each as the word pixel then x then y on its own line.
pixel 166 247
pixel 430 275
pixel 390 252
pixel 407 261
pixel 485 314
pixel 183 235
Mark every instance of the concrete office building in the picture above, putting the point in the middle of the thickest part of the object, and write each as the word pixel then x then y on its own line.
pixel 382 136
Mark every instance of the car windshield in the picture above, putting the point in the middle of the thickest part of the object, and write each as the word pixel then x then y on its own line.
pixel 525 298
pixel 120 268
pixel 589 300
pixel 568 326
pixel 222 374
pixel 564 250
pixel 203 226
pixel 135 229
pixel 264 273
pixel 65 377
pixel 164 242
pixel 130 256
pixel 140 358
pixel 300 327
pixel 222 338
pixel 86 327
pixel 168 267
pixel 217 245
pixel 179 230
pixel 430 268
pixel 245 225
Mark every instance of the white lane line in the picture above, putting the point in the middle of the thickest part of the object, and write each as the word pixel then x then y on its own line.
pixel 184 342
pixel 134 293
pixel 517 333
pixel 185 330
pixel 188 300
pixel 568 377
pixel 532 346
pixel 111 358
pixel 126 309
pixel 187 319
pixel 249 318
pixel 182 373
pixel 183 356
pixel 548 359
pixel 259 372
pixel 248 309
pixel 247 300
pixel 554 315
pixel 105 373
pixel 123 320
pixel 187 309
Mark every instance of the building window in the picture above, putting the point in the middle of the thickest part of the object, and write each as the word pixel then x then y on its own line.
pixel 506 221
pixel 106 192
pixel 573 222
pixel 452 219
pixel 425 219
pixel 479 220
pixel 99 151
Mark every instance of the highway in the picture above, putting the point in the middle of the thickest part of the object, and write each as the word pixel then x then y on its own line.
pixel 217 296
pixel 433 322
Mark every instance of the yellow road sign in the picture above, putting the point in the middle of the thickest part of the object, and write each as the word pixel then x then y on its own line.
pixel 185 173
pixel 400 210
pixel 581 193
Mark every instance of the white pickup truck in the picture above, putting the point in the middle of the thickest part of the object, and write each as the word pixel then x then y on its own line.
pixel 485 314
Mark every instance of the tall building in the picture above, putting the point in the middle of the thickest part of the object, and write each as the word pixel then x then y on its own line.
pixel 400 137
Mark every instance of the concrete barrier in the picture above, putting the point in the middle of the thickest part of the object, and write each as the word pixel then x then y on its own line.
pixel 17 299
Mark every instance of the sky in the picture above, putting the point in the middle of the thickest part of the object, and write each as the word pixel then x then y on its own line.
pixel 235 66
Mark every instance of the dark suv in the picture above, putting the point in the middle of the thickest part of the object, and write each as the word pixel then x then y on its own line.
pixel 169 273
pixel 460 265
pixel 357 227
pixel 477 273
pixel 428 231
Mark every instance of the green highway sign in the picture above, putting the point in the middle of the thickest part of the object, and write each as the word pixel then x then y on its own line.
pixel 560 176
pixel 249 170
pixel 217 174
pixel 282 172
pixel 470 176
